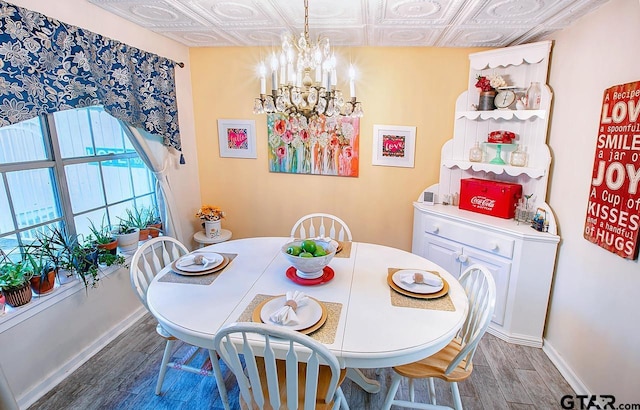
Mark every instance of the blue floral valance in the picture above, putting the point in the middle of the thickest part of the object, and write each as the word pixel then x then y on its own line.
pixel 48 66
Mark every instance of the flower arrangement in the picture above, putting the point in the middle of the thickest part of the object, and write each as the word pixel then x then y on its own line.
pixel 209 213
pixel 490 83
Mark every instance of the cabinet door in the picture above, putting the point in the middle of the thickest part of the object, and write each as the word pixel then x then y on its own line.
pixel 443 252
pixel 500 269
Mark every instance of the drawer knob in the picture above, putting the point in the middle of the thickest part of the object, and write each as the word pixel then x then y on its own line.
pixel 435 229
pixel 463 258
pixel 493 246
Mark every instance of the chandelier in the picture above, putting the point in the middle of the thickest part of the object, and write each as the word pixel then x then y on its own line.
pixel 304 79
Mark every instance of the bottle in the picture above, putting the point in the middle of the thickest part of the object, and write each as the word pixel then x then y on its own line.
pixel 475 153
pixel 518 157
pixel 534 94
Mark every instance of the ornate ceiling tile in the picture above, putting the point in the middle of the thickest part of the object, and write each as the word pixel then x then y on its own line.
pixel 443 23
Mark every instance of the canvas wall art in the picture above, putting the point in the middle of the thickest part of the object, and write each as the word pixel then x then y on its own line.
pixel 321 145
pixel 237 138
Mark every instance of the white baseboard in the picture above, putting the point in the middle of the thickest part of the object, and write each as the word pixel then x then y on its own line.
pixel 41 389
pixel 564 369
pixel 515 338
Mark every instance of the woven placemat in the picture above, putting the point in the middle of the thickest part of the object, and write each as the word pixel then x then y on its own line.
pixel 173 277
pixel 326 334
pixel 441 303
pixel 345 252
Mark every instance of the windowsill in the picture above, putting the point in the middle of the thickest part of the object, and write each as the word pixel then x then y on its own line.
pixel 14 316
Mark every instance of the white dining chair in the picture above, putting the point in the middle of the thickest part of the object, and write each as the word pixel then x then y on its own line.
pixel 454 362
pixel 283 368
pixel 150 258
pixel 321 224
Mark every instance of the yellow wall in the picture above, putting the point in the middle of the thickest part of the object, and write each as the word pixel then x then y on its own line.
pixel 398 86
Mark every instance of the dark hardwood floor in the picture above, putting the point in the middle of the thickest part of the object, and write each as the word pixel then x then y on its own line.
pixel 123 376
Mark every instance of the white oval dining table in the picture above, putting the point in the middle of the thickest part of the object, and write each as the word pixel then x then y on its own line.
pixel 371 332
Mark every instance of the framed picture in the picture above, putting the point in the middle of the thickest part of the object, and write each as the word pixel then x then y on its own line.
pixel 237 138
pixel 394 145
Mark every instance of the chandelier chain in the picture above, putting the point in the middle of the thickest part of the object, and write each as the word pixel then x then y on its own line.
pixel 306 21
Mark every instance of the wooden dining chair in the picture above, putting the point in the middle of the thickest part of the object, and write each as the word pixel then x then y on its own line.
pixel 150 258
pixel 321 224
pixel 284 369
pixel 454 362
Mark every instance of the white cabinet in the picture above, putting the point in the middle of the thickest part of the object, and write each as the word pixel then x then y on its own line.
pixel 455 257
pixel 520 258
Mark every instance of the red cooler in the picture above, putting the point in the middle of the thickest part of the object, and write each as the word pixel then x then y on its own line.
pixel 493 198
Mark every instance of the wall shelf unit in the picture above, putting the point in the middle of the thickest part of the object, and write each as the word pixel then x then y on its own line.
pixel 520 258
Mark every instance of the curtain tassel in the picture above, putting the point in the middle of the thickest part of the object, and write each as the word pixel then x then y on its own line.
pixel 182 161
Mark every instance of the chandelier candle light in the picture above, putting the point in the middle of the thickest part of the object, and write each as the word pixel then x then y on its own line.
pixel 294 91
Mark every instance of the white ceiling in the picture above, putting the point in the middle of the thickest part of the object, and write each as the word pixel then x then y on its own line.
pixel 440 23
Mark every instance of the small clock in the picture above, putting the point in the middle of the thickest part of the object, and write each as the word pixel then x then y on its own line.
pixel 504 99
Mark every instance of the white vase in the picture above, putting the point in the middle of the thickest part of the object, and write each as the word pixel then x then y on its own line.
pixel 212 228
pixel 129 241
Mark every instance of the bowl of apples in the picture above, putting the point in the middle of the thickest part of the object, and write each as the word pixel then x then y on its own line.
pixel 309 256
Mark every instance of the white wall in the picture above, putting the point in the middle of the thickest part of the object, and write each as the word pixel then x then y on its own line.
pixel 592 325
pixel 101 314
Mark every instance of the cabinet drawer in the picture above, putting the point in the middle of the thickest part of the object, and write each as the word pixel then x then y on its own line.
pixel 487 241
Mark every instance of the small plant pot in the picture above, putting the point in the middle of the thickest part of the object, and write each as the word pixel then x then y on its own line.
pixel 129 241
pixel 18 296
pixel 65 276
pixel 154 230
pixel 144 234
pixel 111 247
pixel 45 286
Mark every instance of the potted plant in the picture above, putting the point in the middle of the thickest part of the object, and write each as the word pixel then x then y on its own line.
pixel 103 237
pixel 58 245
pixel 127 236
pixel 84 261
pixel 43 277
pixel 14 282
pixel 154 223
pixel 138 218
pixel 211 217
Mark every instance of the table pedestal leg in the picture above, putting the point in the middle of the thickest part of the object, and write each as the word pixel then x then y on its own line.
pixel 367 384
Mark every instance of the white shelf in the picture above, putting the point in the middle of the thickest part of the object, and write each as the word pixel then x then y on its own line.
pixel 494 168
pixel 521 115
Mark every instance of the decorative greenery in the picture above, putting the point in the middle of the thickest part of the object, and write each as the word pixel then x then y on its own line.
pixel 101 234
pixel 40 265
pixel 58 245
pixel 13 275
pixel 57 249
pixel 152 216
pixel 137 218
pixel 85 264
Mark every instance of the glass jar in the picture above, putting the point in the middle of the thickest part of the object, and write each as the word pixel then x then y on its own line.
pixel 534 93
pixel 475 153
pixel 518 157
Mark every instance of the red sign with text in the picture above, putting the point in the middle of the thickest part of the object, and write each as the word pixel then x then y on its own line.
pixel 613 213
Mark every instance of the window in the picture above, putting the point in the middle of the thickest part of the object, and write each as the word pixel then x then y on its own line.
pixel 67 168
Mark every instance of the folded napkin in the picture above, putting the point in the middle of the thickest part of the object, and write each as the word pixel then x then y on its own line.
pixel 421 278
pixel 286 315
pixel 195 259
